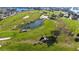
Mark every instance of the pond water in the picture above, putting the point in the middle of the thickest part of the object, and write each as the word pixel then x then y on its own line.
pixel 33 24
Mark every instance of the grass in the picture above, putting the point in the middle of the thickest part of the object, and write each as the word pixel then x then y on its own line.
pixel 30 47
pixel 33 34
pixel 37 31
pixel 73 25
pixel 10 22
pixel 18 41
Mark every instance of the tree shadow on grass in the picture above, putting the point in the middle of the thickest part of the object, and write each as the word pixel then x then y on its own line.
pixel 50 40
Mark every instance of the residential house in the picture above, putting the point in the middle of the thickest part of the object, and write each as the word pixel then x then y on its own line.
pixel 6 11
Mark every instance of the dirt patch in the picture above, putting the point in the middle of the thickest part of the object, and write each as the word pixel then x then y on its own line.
pixel 28 41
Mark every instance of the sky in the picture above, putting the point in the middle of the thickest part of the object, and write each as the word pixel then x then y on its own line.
pixel 39 3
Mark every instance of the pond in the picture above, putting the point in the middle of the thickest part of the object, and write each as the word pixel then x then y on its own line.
pixel 32 24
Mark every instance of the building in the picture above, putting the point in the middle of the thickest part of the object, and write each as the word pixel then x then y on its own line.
pixel 6 11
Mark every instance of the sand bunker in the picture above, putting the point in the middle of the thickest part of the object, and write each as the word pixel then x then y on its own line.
pixel 25 17
pixel 7 38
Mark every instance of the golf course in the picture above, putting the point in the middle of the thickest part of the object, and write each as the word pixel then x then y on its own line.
pixel 17 35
